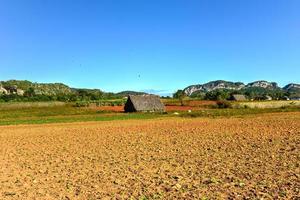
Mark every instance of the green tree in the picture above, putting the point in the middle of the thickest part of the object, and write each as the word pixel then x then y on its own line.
pixel 29 92
pixel 179 94
pixel 217 95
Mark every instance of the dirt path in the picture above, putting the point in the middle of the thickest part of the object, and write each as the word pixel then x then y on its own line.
pixel 172 158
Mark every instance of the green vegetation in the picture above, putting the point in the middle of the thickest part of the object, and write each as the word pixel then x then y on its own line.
pixel 37 92
pixel 255 93
pixel 102 102
pixel 237 112
pixel 265 104
pixel 218 95
pixel 258 93
pixel 80 95
pixel 187 101
pixel 66 119
pixel 39 113
pixel 26 91
pixel 224 104
pixel 258 90
pixel 67 113
pixel 180 94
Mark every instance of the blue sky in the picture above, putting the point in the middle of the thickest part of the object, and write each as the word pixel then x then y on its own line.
pixel 154 45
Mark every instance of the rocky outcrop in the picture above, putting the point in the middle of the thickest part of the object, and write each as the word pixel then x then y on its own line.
pixel 292 87
pixel 227 85
pixel 263 84
pixel 2 90
pixel 27 88
pixel 293 90
pixel 49 89
pixel 20 92
pixel 213 85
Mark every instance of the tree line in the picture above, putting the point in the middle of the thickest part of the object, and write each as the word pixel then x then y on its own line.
pixel 254 93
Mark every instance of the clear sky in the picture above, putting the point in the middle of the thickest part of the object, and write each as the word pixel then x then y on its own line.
pixel 159 45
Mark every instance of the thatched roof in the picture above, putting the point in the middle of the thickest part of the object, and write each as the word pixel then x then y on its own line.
pixel 137 103
pixel 239 97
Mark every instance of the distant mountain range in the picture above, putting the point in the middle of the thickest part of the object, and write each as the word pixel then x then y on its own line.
pixel 126 93
pixel 21 87
pixel 238 86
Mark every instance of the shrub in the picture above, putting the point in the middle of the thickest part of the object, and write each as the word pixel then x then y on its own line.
pixel 224 104
pixel 82 104
pixel 246 106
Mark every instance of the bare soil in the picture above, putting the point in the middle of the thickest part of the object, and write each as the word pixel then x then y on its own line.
pixel 168 108
pixel 253 157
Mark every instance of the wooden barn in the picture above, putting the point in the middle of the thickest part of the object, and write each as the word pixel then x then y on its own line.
pixel 238 97
pixel 144 103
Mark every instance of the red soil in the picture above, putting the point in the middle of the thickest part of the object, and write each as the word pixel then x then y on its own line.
pixel 182 108
pixel 253 157
pixel 168 108
pixel 201 103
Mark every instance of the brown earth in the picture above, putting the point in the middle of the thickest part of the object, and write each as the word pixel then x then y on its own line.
pixel 193 103
pixel 255 157
pixel 201 103
pixel 168 108
pixel 182 108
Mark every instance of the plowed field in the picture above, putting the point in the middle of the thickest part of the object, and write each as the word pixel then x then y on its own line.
pixel 168 108
pixel 252 157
